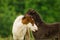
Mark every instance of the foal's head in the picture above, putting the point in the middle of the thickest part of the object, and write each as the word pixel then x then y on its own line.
pixel 27 19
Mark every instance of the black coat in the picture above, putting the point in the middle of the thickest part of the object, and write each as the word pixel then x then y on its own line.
pixel 45 30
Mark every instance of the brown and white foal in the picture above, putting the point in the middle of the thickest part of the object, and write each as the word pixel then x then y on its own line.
pixel 21 27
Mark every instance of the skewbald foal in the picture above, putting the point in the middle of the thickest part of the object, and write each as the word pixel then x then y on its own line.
pixel 21 27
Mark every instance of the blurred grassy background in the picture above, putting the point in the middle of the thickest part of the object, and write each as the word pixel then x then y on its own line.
pixel 10 9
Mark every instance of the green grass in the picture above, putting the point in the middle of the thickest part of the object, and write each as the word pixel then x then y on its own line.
pixel 11 38
pixel 7 38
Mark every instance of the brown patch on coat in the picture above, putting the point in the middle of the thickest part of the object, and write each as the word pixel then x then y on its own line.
pixel 27 19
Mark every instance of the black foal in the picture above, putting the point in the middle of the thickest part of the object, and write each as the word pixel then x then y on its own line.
pixel 45 30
